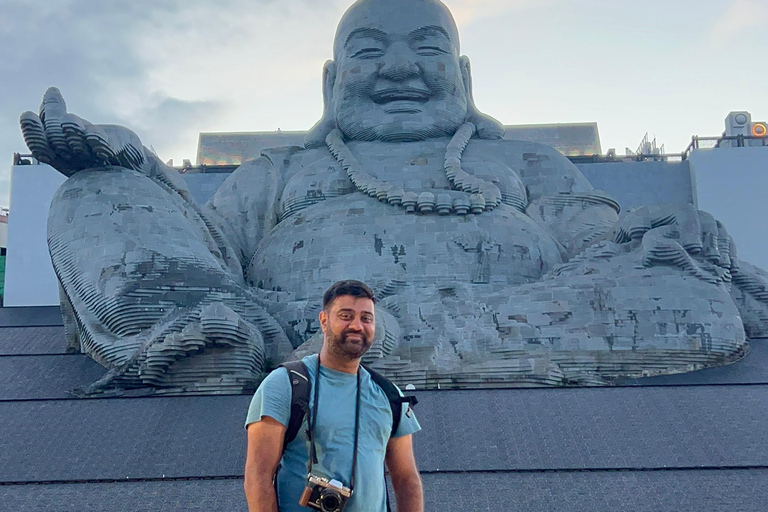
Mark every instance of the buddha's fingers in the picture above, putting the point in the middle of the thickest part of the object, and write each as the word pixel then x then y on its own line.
pixel 53 112
pixel 33 131
pixel 53 104
pixel 661 249
pixel 74 130
pixel 98 141
pixel 733 254
pixel 686 218
pixel 709 238
pixel 130 156
pixel 124 160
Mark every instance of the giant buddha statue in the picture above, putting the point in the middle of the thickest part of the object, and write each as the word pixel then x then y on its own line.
pixel 495 262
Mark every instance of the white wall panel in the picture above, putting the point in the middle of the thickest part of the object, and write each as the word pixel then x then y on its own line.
pixel 29 276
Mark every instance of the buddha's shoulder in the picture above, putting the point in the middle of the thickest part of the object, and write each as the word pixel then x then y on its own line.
pixel 543 169
pixel 290 160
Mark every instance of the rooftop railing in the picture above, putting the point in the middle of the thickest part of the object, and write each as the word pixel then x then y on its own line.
pixel 736 141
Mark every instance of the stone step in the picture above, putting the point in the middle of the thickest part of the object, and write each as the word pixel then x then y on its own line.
pixel 32 340
pixel 638 491
pixel 46 377
pixel 482 430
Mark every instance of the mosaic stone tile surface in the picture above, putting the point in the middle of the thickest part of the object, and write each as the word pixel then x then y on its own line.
pixel 496 261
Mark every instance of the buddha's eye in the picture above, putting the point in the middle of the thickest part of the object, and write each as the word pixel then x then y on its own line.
pixel 368 53
pixel 430 50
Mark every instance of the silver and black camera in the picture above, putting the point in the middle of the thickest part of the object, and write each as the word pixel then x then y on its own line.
pixel 324 495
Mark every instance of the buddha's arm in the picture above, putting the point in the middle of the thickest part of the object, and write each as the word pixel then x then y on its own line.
pixel 72 145
pixel 560 198
pixel 244 207
pixel 576 220
pixel 664 234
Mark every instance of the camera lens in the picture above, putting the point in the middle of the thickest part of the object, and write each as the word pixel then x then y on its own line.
pixel 330 501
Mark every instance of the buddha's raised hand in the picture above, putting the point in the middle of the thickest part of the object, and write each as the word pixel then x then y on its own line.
pixel 70 144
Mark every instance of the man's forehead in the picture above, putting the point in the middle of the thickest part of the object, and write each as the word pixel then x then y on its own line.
pixel 351 303
pixel 396 17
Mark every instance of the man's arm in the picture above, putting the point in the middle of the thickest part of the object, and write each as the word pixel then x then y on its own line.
pixel 406 481
pixel 265 448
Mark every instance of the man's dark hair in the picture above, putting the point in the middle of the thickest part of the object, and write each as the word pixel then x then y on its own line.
pixel 349 287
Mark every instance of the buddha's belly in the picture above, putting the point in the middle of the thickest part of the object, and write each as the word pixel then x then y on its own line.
pixel 357 237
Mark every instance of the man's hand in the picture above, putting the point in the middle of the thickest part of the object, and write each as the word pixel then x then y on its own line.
pixel 70 144
pixel 679 235
pixel 265 448
pixel 406 481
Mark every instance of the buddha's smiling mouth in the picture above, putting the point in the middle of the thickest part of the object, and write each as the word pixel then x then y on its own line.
pixel 400 95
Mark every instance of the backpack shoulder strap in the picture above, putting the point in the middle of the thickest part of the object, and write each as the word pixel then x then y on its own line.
pixel 396 400
pixel 300 389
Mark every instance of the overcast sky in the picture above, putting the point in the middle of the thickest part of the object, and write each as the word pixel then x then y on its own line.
pixel 170 69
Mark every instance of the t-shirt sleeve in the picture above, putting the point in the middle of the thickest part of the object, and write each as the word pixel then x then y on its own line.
pixel 273 399
pixel 408 422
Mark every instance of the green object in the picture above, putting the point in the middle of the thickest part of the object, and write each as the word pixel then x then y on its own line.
pixel 2 277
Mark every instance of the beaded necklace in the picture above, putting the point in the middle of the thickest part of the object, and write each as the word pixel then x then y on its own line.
pixel 479 194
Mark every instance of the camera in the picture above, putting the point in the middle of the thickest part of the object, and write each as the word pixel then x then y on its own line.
pixel 325 495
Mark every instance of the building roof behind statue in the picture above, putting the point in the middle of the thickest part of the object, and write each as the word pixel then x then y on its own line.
pixel 571 139
pixel 235 148
pixel 684 442
pixel 225 148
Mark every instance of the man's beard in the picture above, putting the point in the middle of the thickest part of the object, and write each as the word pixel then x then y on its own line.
pixel 341 346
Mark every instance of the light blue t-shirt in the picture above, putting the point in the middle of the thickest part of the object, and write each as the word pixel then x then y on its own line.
pixel 334 435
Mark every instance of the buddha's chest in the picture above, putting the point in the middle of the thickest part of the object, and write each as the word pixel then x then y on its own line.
pixel 316 176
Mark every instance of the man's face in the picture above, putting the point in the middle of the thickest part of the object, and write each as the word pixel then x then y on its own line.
pixel 398 72
pixel 348 324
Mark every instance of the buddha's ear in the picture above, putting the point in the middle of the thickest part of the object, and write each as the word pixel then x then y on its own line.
pixel 487 127
pixel 317 134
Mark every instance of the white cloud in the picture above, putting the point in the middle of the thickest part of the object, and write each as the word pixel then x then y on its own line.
pixel 742 16
pixel 242 59
pixel 468 11
pixel 168 69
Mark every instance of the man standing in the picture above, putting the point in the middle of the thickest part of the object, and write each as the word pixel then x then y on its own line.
pixel 350 417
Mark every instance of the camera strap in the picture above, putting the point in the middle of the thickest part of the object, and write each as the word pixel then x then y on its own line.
pixel 313 422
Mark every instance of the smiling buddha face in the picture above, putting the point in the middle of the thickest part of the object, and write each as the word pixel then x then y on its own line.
pixel 398 77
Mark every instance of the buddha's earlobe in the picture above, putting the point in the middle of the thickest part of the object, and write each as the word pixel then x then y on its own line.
pixel 317 134
pixel 487 127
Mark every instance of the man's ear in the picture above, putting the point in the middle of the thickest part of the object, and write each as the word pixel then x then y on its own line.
pixel 487 127
pixel 317 134
pixel 323 317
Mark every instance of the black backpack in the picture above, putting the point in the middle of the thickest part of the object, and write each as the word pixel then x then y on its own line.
pixel 300 392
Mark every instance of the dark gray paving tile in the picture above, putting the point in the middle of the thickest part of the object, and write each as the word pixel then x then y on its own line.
pixel 32 340
pixel 630 491
pixel 25 377
pixel 118 438
pixel 181 496
pixel 640 427
pixel 29 316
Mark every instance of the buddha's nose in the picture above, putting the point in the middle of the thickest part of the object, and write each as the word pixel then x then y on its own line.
pixel 399 63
